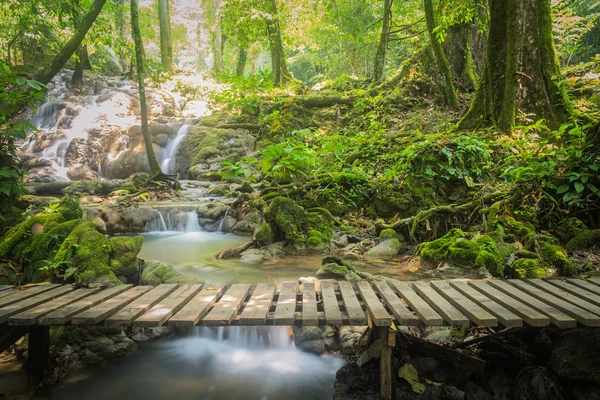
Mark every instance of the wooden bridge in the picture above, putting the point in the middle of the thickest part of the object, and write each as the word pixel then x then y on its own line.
pixel 565 303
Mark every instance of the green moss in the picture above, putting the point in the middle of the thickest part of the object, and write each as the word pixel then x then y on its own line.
pixel 458 333
pixel 555 256
pixel 289 218
pixel 264 234
pixel 521 229
pixel 569 228
pixel 8 276
pixel 123 254
pixel 205 153
pixel 336 268
pixel 257 204
pixel 18 239
pixel 585 240
pixel 140 180
pixel 157 272
pixel 219 190
pixel 437 250
pixel 529 268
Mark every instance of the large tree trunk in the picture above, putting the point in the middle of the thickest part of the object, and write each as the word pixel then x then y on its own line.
pixel 139 62
pixel 85 58
pixel 166 43
pixel 218 41
pixel 444 73
pixel 383 41
pixel 521 71
pixel 280 73
pixel 77 77
pixel 242 57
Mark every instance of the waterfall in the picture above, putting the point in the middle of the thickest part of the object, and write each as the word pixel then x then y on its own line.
pixel 157 224
pixel 192 224
pixel 168 164
pixel 223 220
pixel 273 337
pixel 183 221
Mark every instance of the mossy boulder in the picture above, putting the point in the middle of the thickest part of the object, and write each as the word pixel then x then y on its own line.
pixel 219 190
pixel 568 228
pixel 8 274
pixel 387 234
pixel 289 219
pixel 336 268
pixel 157 272
pixel 457 249
pixel 320 231
pixel 264 235
pixel 584 240
pixel 529 268
pixel 555 256
pixel 388 248
pixel 123 254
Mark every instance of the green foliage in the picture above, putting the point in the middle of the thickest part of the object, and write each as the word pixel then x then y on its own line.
pixel 242 168
pixel 288 161
pixel 243 94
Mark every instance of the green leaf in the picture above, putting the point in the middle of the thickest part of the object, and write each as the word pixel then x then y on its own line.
pixel 562 189
pixel 579 187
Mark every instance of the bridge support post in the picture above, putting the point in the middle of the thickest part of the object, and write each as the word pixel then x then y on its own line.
pixel 38 348
pixel 388 338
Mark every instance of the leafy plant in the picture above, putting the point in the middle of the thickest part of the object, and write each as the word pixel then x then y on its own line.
pixel 241 168
pixel 286 162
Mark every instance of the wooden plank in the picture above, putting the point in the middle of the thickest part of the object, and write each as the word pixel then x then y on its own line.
pixel 427 314
pixel 310 317
pixel 531 316
pixel 285 310
pixel 255 312
pixel 33 315
pixel 402 314
pixel 577 291
pixel 584 284
pixel 563 294
pixel 333 315
pixel 197 307
pixel 385 363
pixel 64 314
pixel 507 318
pixel 474 312
pixel 124 312
pixel 450 314
pixel 379 314
pixel 30 302
pixel 595 280
pixel 582 316
pixel 8 293
pixel 101 311
pixel 356 315
pixel 166 308
pixel 226 308
pixel 5 287
pixel 19 295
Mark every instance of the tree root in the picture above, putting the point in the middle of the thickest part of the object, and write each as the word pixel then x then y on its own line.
pixel 235 253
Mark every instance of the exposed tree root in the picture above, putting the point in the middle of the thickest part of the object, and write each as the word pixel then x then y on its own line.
pixel 235 253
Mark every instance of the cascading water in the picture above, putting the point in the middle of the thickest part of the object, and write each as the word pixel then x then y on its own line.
pixel 168 164
pixel 181 221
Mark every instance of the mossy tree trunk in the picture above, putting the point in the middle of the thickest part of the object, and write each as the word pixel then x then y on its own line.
pixel 280 73
pixel 443 66
pixel 166 42
pixel 521 73
pixel 77 77
pixel 139 62
pixel 242 58
pixel 121 29
pixel 379 67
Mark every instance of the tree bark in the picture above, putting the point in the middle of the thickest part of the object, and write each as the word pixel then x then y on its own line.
pixel 166 42
pixel 77 77
pixel 85 58
pixel 121 27
pixel 218 41
pixel 379 67
pixel 280 73
pixel 139 62
pixel 445 81
pixel 521 75
pixel 241 60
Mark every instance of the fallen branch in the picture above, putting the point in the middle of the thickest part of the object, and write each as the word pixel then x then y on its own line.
pixel 235 253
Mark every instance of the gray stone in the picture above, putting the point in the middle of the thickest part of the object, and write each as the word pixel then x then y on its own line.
pixel 387 249
pixel 341 242
pixel 227 224
pixel 352 338
pixel 575 355
pixel 438 334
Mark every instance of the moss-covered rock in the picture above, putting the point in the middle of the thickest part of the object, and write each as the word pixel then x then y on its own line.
pixel 157 272
pixel 8 274
pixel 388 248
pixel 336 268
pixel 319 228
pixel 19 238
pixel 568 228
pixel 584 240
pixel 123 254
pixel 388 234
pixel 555 256
pixel 219 190
pixel 529 268
pixel 289 218
pixel 264 235
pixel 458 250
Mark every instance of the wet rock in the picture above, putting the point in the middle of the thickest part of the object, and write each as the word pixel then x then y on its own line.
pixel 476 392
pixel 33 162
pixel 315 340
pixel 141 335
pixel 352 338
pixel 99 224
pixel 355 383
pixel 586 392
pixel 444 392
pixel 157 272
pixel 211 211
pixel 575 355
pixel 244 228
pixel 43 174
pixel 438 334
pixel 78 153
pixel 80 172
pixel 388 248
pixel 254 256
pixel 536 384
pixel 341 242
pixel 350 256
pixel 227 224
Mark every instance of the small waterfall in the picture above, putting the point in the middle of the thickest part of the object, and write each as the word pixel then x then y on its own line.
pixel 223 220
pixel 168 164
pixel 157 224
pixel 182 221
pixel 192 224
pixel 273 337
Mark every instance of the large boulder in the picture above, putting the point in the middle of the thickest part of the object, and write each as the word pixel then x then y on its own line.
pixel 575 355
pixel 157 272
pixel 388 248
pixel 123 254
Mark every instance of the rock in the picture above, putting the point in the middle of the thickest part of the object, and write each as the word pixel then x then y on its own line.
pixel 341 242
pixel 315 340
pixel 476 392
pixel 575 355
pixel 264 235
pixel 387 234
pixel 123 254
pixel 352 339
pixel 227 224
pixel 141 335
pixel 355 383
pixel 335 268
pixel 430 368
pixel 33 162
pixel 78 154
pixel 244 228
pixel 254 256
pixel 157 272
pixel 536 384
pixel 99 224
pixel 214 211
pixel 388 248
pixel 438 334
pixel 585 392
pixel 41 174
pixel 350 256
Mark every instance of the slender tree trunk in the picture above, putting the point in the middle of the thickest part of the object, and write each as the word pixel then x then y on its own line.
pixel 218 41
pixel 280 73
pixel 521 74
pixel 85 58
pixel 252 60
pixel 139 62
pixel 77 77
pixel 121 29
pixel 444 72
pixel 379 67
pixel 241 60
pixel 166 42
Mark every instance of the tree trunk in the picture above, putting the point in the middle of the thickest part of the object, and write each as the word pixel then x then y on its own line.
pixel 218 41
pixel 166 43
pixel 85 58
pixel 521 73
pixel 280 73
pixel 241 60
pixel 252 60
pixel 444 73
pixel 121 25
pixel 139 62
pixel 379 67
pixel 77 77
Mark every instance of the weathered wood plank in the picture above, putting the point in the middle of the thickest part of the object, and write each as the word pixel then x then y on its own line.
pixel 255 312
pixel 101 311
pixel 584 284
pixel 64 314
pixel 379 314
pixel 595 280
pixel 333 315
pixel 355 312
pixel 563 294
pixel 531 316
pixel 19 295
pixel 451 315
pixel 474 312
pixel 30 302
pixel 8 292
pixel 166 308
pixel 506 317
pixel 285 310
pixel 5 287
pixel 402 314
pixel 224 311
pixel 33 315
pixel 577 291
pixel 130 309
pixel 427 314
pixel 197 307
pixel 582 316
pixel 310 317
